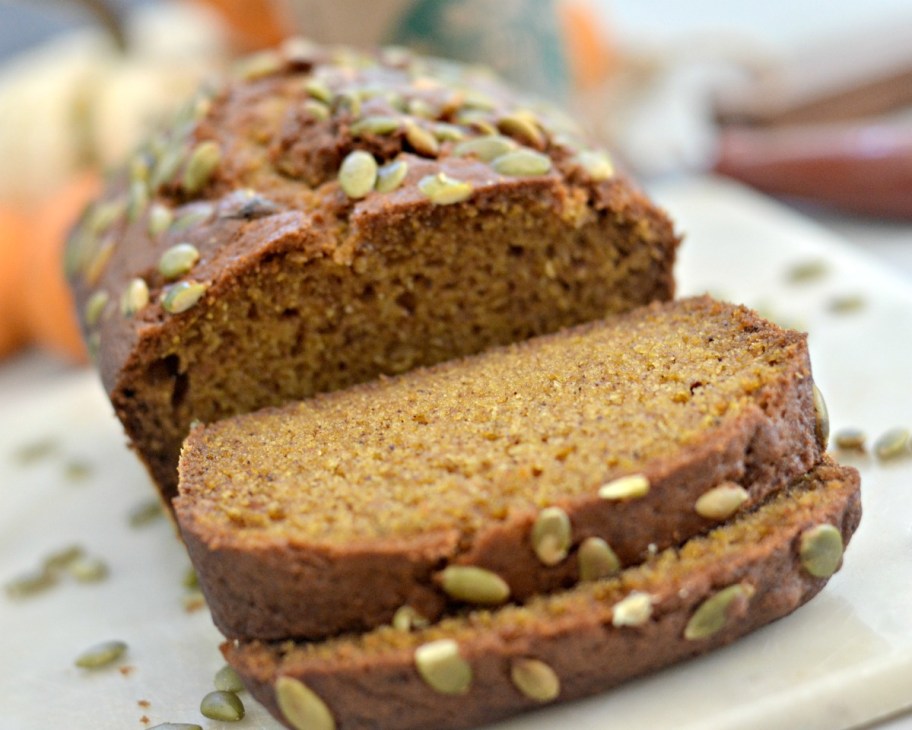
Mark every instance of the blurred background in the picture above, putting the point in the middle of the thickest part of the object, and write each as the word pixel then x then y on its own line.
pixel 805 101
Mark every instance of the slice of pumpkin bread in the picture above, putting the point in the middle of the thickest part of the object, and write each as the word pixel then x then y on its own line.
pixel 484 665
pixel 495 478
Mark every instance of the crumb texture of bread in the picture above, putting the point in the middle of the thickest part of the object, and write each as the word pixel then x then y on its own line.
pixel 330 514
pixel 237 263
pixel 745 573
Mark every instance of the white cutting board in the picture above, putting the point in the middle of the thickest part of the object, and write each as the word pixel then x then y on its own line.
pixel 843 660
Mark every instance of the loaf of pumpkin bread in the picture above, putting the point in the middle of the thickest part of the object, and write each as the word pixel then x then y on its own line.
pixel 475 668
pixel 324 217
pixel 497 477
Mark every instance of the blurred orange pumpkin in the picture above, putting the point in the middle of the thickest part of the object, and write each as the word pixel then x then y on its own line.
pixel 14 231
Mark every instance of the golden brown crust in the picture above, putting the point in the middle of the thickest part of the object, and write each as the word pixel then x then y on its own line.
pixel 370 681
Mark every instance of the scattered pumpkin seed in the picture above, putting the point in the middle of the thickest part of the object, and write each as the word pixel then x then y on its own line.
pixel 421 108
pixel 712 615
pixel 169 162
pixel 178 260
pixel 721 502
pixel 176 726
pixel 551 535
pixel 522 127
pixel 145 512
pixel 633 610
pixel 224 706
pixel 846 304
pixel 442 667
pixel 850 439
pixel 88 569
pixel 98 262
pixel 137 201
pixel 95 306
pixel 317 89
pixel 820 550
pixel 135 297
pixel 391 175
pixel 192 216
pixel 596 163
pixel 104 215
pixel 822 416
pixel 535 679
pixel 190 579
pixel 101 655
pixel 445 132
pixel 28 584
pixel 301 706
pixel 626 487
pixel 421 140
pixel 892 444
pixel 227 680
pixel 259 65
pixel 61 559
pixel 478 121
pixel 317 109
pixel 203 162
pixel 596 559
pixel 522 163
pixel 407 618
pixel 807 271
pixel 346 103
pixel 182 296
pixel 378 125
pixel 160 219
pixel 358 174
pixel 472 584
pixel 35 451
pixel 486 148
pixel 442 189
pixel 474 99
pixel 76 470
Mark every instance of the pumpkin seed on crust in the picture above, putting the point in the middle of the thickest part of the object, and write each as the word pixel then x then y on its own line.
pixel 443 668
pixel 820 550
pixel 358 174
pixel 712 615
pixel 301 706
pixel 551 535
pixel 535 679
pixel 472 584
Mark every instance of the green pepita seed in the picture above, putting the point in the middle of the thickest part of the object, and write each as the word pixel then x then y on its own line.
pixel 190 579
pixel 893 444
pixel 472 584
pixel 76 471
pixel 442 667
pixel 822 416
pixel 224 706
pixel 535 679
pixel 178 260
pixel 105 215
pixel 317 109
pixel 378 125
pixel 846 304
pixel 522 127
pixel 486 148
pixel 634 610
pixel 145 512
pixel 358 174
pixel 820 550
pixel 194 215
pixel 478 121
pixel 135 297
pixel 807 271
pixel 551 535
pixel 850 439
pixel 631 486
pixel 227 680
pixel 182 296
pixel 421 108
pixel 445 132
pixel 138 200
pixel 473 99
pixel 94 307
pixel 301 706
pixel 391 175
pixel 61 559
pixel 34 451
pixel 441 189
pixel 421 140
pixel 169 163
pixel 712 615
pixel 597 560
pixel 522 163
pixel 160 219
pixel 203 162
pixel 259 65
pixel 721 502
pixel 596 163
pixel 101 655
pixel 88 570
pixel 28 584
pixel 346 103
pixel 407 618
pixel 318 90
pixel 98 263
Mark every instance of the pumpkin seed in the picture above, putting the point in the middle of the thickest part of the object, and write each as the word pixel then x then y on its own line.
pixel 178 260
pixel 421 140
pixel 346 103
pixel 445 132
pixel 391 175
pixel 227 680
pixel 160 219
pixel 486 148
pixel 190 579
pixel 35 451
pixel 225 706
pixel 61 559
pixel 807 271
pixel 317 109
pixel 596 559
pixel 76 471
pixel 596 163
pixel 721 502
pixel 182 296
pixel 850 439
pixel 627 487
pixel 28 584
pixel 893 444
pixel 203 162
pixel 101 655
pixel 192 216
pixel 98 263
pixel 137 200
pixel 421 108
pixel 407 618
pixel 846 304
pixel 473 99
pixel 551 535
pixel 820 550
pixel 246 204
pixel 301 706
pixel 378 125
pixel 822 419
pixel 105 215
pixel 442 189
pixel 94 307
pixel 145 512
pixel 535 679
pixel 358 174
pixel 135 297
pixel 522 163
pixel 472 584
pixel 523 127
pixel 712 615
pixel 634 610
pixel 259 65
pixel 88 570
pixel 442 667
pixel 169 162
pixel 318 90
